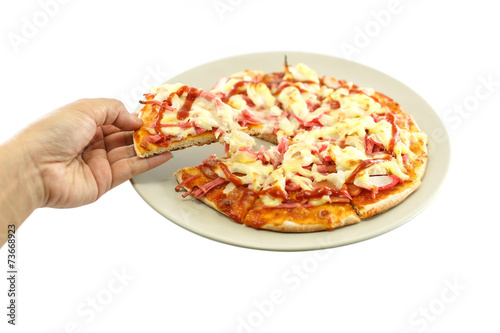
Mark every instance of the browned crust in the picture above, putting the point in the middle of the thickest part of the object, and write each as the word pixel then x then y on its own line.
pixel 366 207
pixel 323 217
pixel 271 138
pixel 147 149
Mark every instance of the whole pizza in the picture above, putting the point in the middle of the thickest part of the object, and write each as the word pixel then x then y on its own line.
pixel 339 152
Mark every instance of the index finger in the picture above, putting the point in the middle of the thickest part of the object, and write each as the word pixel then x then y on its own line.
pixel 108 111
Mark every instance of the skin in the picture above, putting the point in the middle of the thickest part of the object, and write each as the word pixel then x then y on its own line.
pixel 69 158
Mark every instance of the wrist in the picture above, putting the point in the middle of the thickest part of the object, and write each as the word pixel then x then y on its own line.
pixel 20 181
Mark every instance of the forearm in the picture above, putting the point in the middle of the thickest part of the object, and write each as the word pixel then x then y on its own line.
pixel 20 186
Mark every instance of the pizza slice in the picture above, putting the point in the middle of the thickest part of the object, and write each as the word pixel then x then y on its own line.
pixel 230 184
pixel 271 190
pixel 178 116
pixel 394 163
pixel 381 192
pixel 215 191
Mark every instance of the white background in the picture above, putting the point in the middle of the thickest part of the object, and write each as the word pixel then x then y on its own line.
pixel 437 273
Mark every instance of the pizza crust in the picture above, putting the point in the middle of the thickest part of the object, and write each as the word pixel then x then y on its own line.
pixel 301 219
pixel 289 226
pixel 366 210
pixel 145 149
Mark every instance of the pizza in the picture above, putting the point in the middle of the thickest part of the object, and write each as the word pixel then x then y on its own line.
pixel 338 152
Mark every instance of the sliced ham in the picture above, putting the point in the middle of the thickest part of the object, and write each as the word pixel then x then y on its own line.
pixel 292 187
pixel 354 190
pixel 373 146
pixel 207 165
pixel 203 190
pixel 283 145
pixel 248 118
pixel 153 138
pixel 184 182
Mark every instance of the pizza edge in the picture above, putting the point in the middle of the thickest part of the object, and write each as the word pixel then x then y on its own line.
pixel 327 216
pixel 387 199
pixel 145 149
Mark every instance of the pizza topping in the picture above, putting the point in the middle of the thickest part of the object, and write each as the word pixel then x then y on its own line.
pixel 363 165
pixel 391 118
pixel 336 141
pixel 203 190
pixel 192 94
pixel 229 176
pixel 373 146
pixel 378 183
pixel 184 182
pixel 339 132
pixel 276 192
pixel 319 192
pixel 156 138
pixel 207 165
pixel 288 205
pixel 198 111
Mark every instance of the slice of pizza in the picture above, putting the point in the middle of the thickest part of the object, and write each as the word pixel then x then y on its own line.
pixel 291 190
pixel 178 116
pixel 216 192
pixel 229 184
pixel 388 164
pixel 381 187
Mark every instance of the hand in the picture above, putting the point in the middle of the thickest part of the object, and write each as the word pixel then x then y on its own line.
pixel 83 150
pixel 69 158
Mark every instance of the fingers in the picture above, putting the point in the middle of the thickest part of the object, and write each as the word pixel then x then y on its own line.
pixel 118 139
pixel 105 111
pixel 123 160
pixel 127 168
pixel 121 153
pixel 117 126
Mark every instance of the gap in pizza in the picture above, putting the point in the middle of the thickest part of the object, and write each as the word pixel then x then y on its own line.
pixel 340 152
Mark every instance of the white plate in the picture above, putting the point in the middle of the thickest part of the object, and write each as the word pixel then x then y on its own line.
pixel 156 187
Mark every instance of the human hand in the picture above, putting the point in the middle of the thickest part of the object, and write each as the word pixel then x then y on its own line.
pixel 83 150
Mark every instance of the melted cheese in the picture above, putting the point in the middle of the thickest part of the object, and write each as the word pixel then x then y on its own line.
pixel 248 169
pixel 301 72
pixel 337 115
pixel 260 95
pixel 207 114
